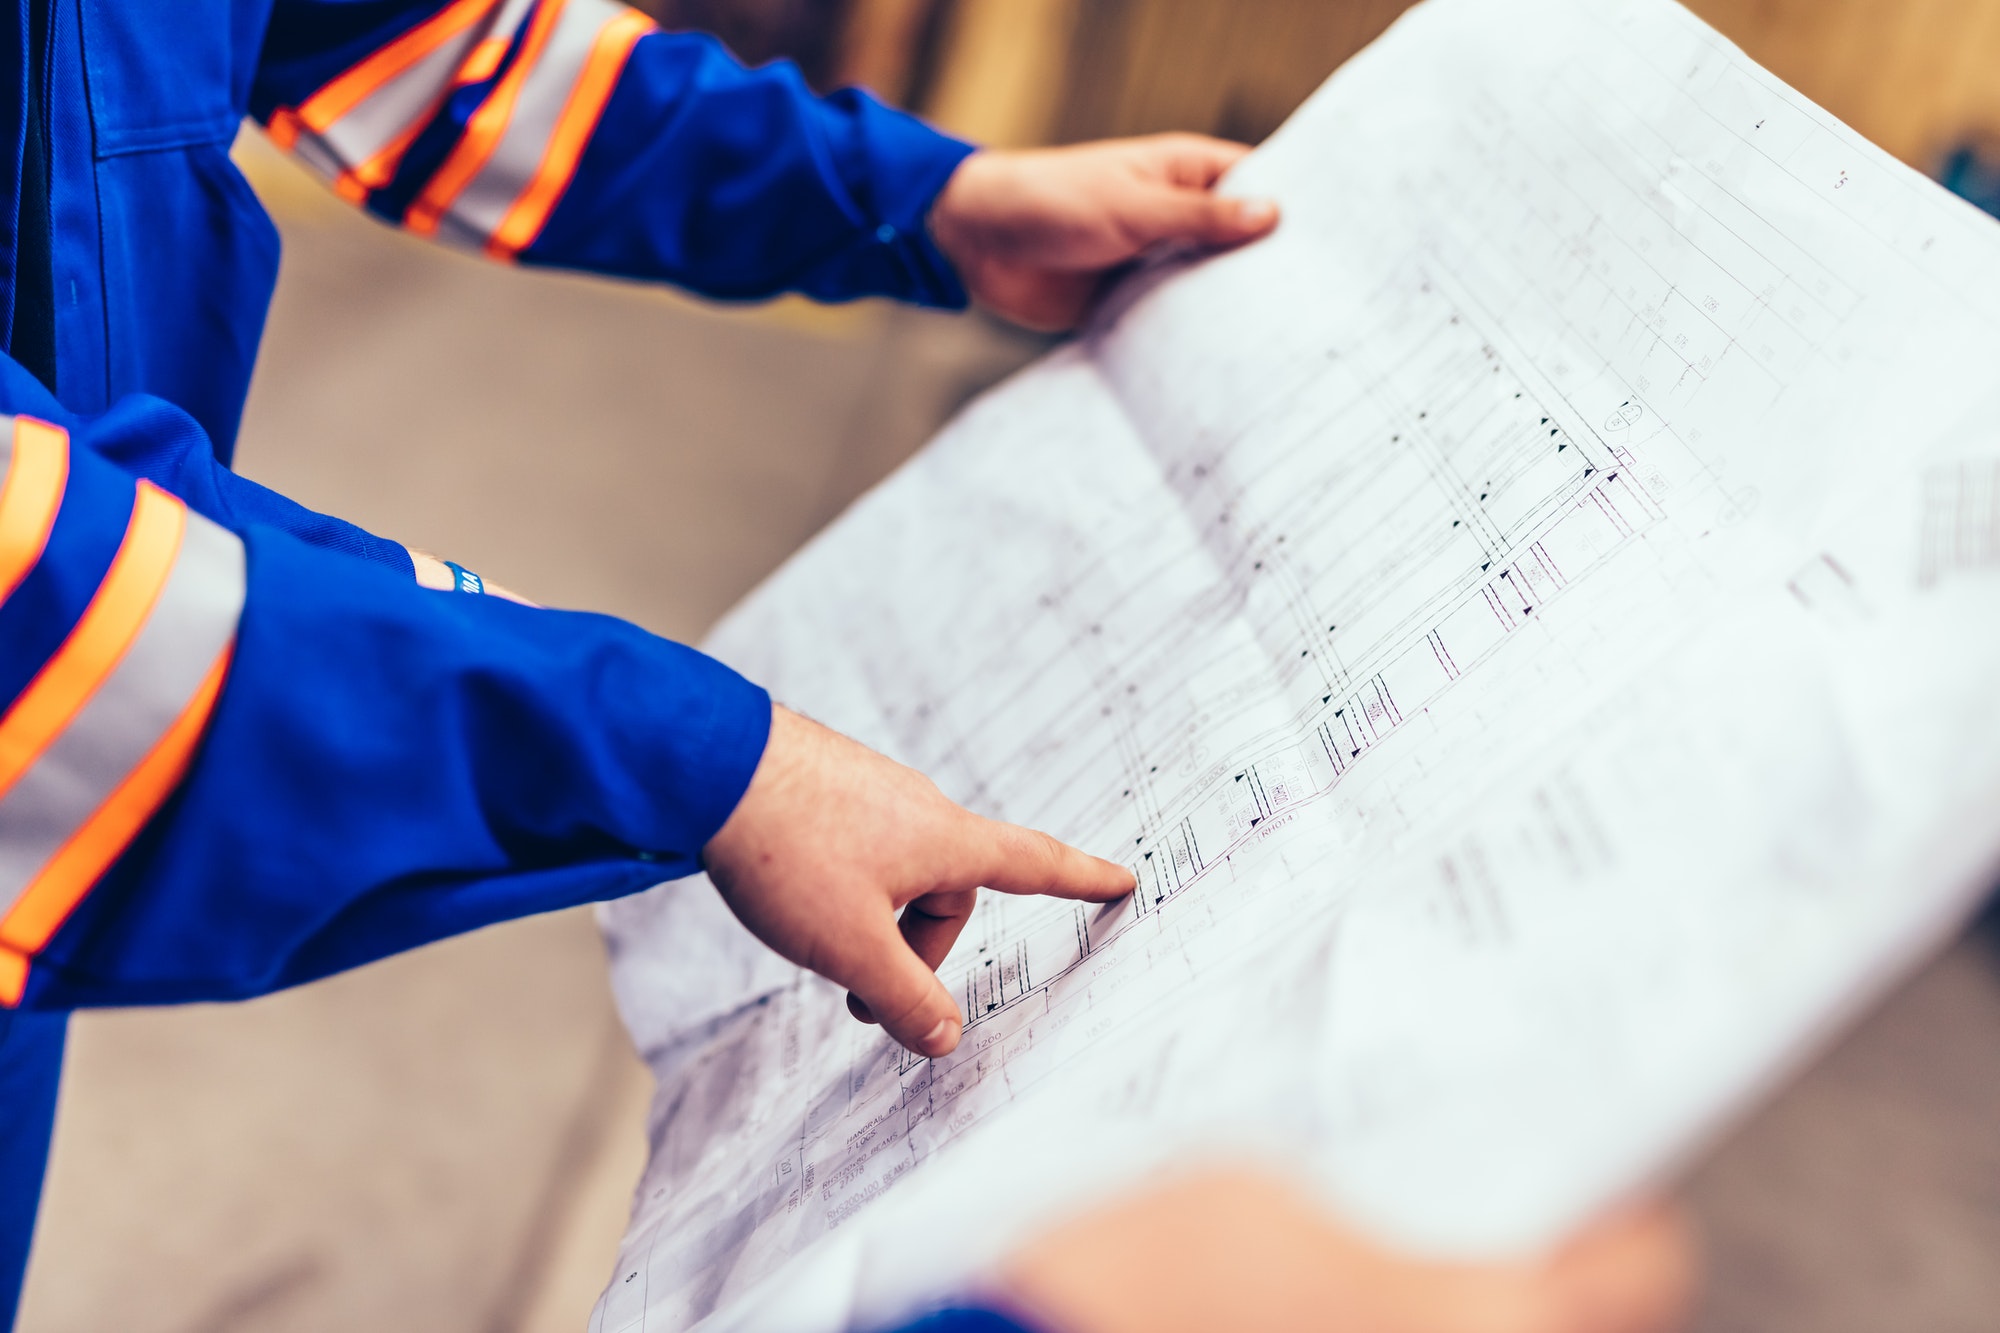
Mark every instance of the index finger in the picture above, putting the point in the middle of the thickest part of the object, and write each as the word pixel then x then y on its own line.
pixel 1022 860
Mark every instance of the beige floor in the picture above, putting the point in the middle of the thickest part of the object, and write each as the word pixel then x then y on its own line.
pixel 445 1141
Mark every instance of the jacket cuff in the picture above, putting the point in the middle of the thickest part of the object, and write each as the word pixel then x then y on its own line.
pixel 723 746
pixel 925 161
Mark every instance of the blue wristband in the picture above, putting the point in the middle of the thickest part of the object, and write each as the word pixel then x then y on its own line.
pixel 464 579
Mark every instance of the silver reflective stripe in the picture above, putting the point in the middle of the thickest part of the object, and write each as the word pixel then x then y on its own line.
pixel 477 212
pixel 310 149
pixel 192 621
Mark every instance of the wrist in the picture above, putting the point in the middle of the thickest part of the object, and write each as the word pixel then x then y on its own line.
pixel 432 572
pixel 448 576
pixel 945 223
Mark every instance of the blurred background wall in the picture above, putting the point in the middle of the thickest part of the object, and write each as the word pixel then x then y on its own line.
pixel 447 1141
pixel 1917 76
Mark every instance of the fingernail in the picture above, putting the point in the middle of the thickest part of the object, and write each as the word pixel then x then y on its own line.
pixel 942 1039
pixel 1257 212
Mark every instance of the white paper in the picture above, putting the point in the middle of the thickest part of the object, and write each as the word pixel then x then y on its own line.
pixel 1531 625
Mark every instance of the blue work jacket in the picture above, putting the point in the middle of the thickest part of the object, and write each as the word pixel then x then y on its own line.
pixel 240 747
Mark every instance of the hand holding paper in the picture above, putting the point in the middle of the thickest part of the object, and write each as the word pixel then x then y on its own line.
pixel 1236 1250
pixel 1035 233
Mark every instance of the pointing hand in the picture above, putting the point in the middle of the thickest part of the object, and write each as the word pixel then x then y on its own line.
pixel 832 841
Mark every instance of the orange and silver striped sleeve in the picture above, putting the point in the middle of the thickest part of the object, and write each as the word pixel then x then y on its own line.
pixel 576 134
pixel 98 737
pixel 235 756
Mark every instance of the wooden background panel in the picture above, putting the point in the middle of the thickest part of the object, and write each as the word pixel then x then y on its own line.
pixel 1917 76
pixel 1005 67
pixel 1235 69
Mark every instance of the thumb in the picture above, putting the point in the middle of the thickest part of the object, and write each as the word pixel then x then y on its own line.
pixel 902 993
pixel 1182 213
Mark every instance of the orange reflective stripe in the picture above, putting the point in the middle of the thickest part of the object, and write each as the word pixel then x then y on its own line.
pixel 573 129
pixel 485 58
pixel 348 188
pixel 33 494
pixel 283 128
pixel 483 132
pixel 109 624
pixel 13 977
pixel 54 893
pixel 353 88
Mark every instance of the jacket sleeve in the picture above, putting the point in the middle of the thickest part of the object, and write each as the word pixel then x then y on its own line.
pixel 234 757
pixel 574 133
pixel 967 1319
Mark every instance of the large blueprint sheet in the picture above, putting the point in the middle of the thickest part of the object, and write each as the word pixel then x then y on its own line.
pixel 1532 626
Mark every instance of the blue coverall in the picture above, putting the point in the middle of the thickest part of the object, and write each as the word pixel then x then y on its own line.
pixel 241 748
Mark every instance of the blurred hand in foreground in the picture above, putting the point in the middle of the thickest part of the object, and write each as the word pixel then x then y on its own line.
pixel 1239 1252
pixel 1033 232
pixel 832 840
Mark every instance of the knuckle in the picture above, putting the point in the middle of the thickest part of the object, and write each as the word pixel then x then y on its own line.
pixel 943 905
pixel 1036 852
